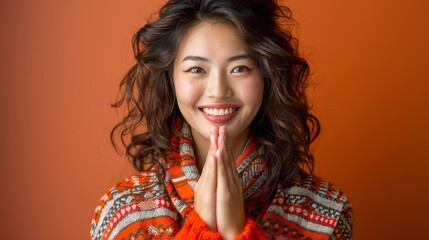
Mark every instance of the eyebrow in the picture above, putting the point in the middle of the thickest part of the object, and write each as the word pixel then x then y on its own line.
pixel 195 58
pixel 202 59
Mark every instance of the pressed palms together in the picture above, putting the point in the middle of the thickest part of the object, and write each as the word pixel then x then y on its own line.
pixel 218 194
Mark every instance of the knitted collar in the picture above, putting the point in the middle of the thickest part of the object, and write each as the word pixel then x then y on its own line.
pixel 182 173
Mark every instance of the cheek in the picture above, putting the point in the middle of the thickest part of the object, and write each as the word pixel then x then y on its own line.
pixel 253 92
pixel 187 94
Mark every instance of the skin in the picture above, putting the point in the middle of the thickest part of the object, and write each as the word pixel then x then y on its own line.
pixel 218 194
pixel 213 70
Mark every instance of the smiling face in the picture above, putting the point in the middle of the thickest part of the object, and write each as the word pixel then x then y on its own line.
pixel 216 82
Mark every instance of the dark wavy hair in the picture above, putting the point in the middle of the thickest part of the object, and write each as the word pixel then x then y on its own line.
pixel 283 124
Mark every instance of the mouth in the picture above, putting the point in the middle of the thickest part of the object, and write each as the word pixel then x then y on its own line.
pixel 218 111
pixel 219 114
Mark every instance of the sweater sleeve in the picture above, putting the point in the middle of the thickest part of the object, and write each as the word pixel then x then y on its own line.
pixel 343 229
pixel 196 228
pixel 251 231
pixel 129 210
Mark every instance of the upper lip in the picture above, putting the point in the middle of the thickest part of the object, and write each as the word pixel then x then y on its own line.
pixel 219 106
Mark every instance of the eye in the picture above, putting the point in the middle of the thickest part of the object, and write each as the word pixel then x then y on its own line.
pixel 240 69
pixel 196 70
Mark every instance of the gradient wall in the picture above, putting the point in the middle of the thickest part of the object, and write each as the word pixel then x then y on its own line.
pixel 61 62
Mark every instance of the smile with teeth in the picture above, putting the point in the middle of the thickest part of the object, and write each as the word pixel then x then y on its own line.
pixel 219 111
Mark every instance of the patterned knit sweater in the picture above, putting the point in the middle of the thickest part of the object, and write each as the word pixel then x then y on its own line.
pixel 136 208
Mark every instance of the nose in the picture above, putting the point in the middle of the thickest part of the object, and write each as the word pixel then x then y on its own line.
pixel 218 86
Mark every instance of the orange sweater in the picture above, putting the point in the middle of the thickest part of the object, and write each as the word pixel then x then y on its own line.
pixel 196 228
pixel 138 208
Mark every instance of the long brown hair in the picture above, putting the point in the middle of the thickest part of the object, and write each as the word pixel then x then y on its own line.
pixel 283 124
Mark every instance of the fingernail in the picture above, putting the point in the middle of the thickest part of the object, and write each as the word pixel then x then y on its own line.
pixel 211 134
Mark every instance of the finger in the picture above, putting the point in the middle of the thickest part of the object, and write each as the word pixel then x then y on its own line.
pixel 223 165
pixel 228 148
pixel 227 156
pixel 211 189
pixel 211 174
pixel 228 182
pixel 210 180
pixel 229 203
pixel 212 149
pixel 205 195
pixel 203 180
pixel 205 203
pixel 214 135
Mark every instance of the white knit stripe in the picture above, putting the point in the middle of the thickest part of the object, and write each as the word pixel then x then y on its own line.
pixel 109 204
pixel 178 179
pixel 335 193
pixel 142 215
pixel 253 156
pixel 256 186
pixel 179 204
pixel 300 191
pixel 192 174
pixel 311 226
pixel 186 148
pixel 323 188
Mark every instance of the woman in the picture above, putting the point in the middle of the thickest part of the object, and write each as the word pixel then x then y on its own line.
pixel 220 130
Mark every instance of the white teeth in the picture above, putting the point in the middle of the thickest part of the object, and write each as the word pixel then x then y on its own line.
pixel 218 112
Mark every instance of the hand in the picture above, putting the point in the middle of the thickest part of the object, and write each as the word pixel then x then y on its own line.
pixel 230 217
pixel 218 194
pixel 205 189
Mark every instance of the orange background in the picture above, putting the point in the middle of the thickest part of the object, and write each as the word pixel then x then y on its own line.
pixel 61 62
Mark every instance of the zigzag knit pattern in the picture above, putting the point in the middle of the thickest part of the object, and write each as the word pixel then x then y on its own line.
pixel 135 208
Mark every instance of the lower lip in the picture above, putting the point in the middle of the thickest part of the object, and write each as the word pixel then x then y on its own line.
pixel 219 119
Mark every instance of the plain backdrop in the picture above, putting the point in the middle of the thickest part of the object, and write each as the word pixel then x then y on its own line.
pixel 61 63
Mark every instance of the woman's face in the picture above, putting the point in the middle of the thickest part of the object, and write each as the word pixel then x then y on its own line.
pixel 216 81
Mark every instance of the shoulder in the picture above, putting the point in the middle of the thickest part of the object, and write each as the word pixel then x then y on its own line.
pixel 317 189
pixel 127 204
pixel 314 204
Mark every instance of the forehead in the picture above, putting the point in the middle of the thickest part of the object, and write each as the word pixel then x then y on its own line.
pixel 212 39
